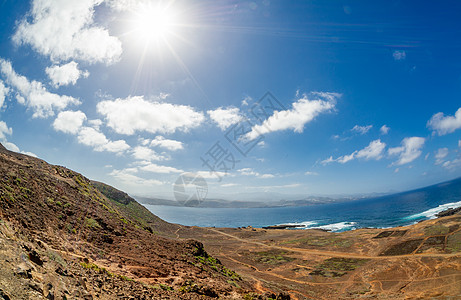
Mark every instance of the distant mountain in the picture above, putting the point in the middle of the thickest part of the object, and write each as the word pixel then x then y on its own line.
pixel 220 203
pixel 450 190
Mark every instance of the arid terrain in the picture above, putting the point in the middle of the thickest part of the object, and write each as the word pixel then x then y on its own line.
pixel 418 261
pixel 63 236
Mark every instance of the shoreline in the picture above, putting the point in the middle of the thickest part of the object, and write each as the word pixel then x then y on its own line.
pixel 291 226
pixel 320 223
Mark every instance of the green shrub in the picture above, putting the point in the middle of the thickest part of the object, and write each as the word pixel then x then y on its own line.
pixel 92 223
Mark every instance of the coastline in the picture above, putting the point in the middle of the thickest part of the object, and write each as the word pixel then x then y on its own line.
pixel 276 218
pixel 290 226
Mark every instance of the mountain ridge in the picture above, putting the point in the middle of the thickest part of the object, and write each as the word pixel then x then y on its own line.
pixel 62 237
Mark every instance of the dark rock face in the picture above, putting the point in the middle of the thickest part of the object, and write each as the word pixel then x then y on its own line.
pixel 449 212
pixel 283 226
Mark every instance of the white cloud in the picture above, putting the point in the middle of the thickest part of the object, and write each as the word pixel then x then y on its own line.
pixel 118 146
pixel 452 164
pixel 251 172
pixel 14 148
pixel 440 155
pixel 361 129
pixel 69 121
pixel 266 176
pixel 225 117
pixel 4 130
pixel 143 141
pixel 409 151
pixel 247 172
pixel 374 150
pixel 65 74
pixel 154 168
pixel 445 124
pixel 124 5
pixel 11 146
pixel 211 175
pixel 95 123
pixel 302 112
pixel 246 100
pixel 91 137
pixel 172 145
pixel 384 130
pixel 72 122
pixel 147 154
pixel 328 160
pixel 3 93
pixel 33 94
pixel 126 116
pixel 269 187
pixel 459 143
pixel 346 158
pixel 65 30
pixel 125 176
pixel 311 173
pixel 229 184
pixel 399 55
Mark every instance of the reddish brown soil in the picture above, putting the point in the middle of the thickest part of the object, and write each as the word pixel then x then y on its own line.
pixel 415 262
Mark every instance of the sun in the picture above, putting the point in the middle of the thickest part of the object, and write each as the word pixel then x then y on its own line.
pixel 154 23
pixel 157 32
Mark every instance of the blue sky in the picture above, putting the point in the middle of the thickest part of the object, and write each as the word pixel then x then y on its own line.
pixel 134 93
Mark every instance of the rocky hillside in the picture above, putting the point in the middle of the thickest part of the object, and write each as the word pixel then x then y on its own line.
pixel 65 237
pixel 134 211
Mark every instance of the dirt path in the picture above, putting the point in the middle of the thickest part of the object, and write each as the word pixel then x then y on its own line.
pixel 333 282
pixel 333 253
pixel 177 233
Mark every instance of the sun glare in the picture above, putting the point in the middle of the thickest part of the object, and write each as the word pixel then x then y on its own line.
pixel 154 23
pixel 158 30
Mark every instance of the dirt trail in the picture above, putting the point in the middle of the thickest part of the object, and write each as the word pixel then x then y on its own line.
pixel 349 281
pixel 334 253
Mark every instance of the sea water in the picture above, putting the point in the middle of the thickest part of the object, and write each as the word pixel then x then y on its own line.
pixel 382 212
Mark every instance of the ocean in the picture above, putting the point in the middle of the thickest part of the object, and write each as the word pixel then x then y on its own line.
pixel 388 211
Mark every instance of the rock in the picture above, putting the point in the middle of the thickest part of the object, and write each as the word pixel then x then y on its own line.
pixel 208 292
pixel 284 226
pixel 283 296
pixel 36 287
pixel 449 212
pixel 48 291
pixel 23 270
pixel 3 294
pixel 270 295
pixel 198 249
pixel 61 271
pixel 107 239
pixel 35 258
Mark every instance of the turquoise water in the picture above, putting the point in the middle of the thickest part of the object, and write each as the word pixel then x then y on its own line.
pixel 388 211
